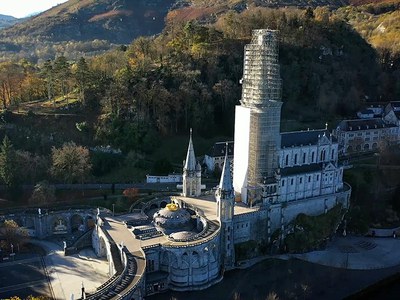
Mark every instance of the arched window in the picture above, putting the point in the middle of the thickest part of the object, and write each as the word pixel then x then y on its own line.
pixel 323 155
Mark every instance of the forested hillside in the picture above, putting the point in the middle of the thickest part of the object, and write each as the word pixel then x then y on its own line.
pixel 189 77
pixel 7 21
pixel 143 98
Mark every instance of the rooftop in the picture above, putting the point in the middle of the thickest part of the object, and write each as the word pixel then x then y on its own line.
pixel 299 138
pixel 218 149
pixel 301 169
pixel 362 124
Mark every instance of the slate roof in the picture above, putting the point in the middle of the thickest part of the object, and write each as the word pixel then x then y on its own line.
pixel 301 169
pixel 367 111
pixel 218 149
pixel 362 124
pixel 395 104
pixel 298 138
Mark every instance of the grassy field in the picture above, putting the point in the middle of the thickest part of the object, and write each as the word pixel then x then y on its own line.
pixel 45 106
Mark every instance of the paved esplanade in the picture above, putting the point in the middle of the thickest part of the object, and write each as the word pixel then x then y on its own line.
pixel 66 273
pixel 357 253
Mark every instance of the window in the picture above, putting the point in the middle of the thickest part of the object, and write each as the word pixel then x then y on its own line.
pixel 283 183
pixel 333 154
pixel 312 157
pixel 317 177
pixel 301 180
pixel 304 158
pixel 309 178
pixel 323 155
pixel 287 160
pixel 291 181
pixel 295 159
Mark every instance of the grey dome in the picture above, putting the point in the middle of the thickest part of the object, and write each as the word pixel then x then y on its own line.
pixel 173 219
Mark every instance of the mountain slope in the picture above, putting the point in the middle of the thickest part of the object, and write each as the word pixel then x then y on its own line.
pixel 117 21
pixel 7 21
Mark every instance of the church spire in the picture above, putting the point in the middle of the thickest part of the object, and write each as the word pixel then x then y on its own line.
pixel 191 181
pixel 190 162
pixel 225 183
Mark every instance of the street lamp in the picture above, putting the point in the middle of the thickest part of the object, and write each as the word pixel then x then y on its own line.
pixel 83 296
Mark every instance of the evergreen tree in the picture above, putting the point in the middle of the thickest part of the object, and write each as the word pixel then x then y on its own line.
pixel 62 73
pixel 82 77
pixel 48 74
pixel 7 162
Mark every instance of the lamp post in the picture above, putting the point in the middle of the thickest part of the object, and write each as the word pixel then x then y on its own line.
pixel 113 206
pixel 83 296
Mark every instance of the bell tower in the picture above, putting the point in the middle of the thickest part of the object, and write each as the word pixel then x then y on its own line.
pixel 257 119
pixel 225 211
pixel 191 186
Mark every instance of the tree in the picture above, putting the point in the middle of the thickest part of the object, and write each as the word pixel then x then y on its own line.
pixel 71 163
pixel 31 167
pixel 82 75
pixel 7 162
pixel 48 73
pixel 12 235
pixel 62 73
pixel 43 193
pixel 11 76
pixel 132 194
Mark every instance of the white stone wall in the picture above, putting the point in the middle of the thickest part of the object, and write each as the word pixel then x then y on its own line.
pixel 242 230
pixel 171 178
pixel 241 151
pixel 278 216
pixel 191 267
pixel 308 154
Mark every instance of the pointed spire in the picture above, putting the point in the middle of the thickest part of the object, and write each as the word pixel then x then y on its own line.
pixel 225 183
pixel 190 163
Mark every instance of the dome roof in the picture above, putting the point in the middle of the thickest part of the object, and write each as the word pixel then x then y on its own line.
pixel 183 235
pixel 172 219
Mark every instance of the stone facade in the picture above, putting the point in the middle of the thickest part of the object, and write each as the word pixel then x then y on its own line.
pixel 357 136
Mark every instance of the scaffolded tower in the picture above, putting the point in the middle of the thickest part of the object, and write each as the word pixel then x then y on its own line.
pixel 257 123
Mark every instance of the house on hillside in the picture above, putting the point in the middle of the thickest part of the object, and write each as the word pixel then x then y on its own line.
pixel 214 159
pixel 355 136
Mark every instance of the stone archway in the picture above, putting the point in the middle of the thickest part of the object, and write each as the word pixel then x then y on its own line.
pixel 77 223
